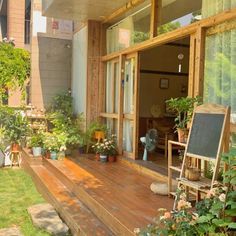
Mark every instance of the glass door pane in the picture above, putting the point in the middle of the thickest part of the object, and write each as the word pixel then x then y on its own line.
pixel 129 106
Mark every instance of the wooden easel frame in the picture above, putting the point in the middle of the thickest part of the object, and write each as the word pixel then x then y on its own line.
pixel 223 146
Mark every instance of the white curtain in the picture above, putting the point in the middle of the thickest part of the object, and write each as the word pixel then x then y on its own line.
pixel 220 61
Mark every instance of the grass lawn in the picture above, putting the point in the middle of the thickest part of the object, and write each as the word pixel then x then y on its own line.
pixel 17 193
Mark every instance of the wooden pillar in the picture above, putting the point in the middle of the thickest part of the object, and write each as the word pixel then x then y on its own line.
pixel 93 70
pixel 155 17
pixel 199 61
pixel 121 102
pixel 192 55
pixel 16 21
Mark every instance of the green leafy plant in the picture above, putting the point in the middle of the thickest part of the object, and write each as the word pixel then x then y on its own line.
pixel 36 140
pixel 53 142
pixel 14 68
pixel 183 107
pixel 62 103
pixel 214 215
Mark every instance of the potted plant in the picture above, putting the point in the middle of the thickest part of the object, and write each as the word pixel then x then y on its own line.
pixel 97 149
pixel 51 144
pixel 112 148
pixel 36 143
pixel 183 107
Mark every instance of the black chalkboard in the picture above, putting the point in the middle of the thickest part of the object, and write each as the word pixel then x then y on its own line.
pixel 205 134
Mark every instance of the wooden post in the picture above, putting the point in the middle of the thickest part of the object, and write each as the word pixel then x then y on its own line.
pixel 155 17
pixel 199 61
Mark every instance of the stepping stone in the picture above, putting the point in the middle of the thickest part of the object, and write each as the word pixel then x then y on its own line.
pixel 45 217
pixel 14 231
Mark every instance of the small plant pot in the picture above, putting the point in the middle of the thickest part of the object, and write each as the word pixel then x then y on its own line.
pixel 192 174
pixel 81 150
pixel 37 151
pixel 111 158
pixel 97 157
pixel 61 156
pixel 47 154
pixel 103 158
pixel 53 155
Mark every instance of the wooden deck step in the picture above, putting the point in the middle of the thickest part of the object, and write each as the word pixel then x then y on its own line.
pixel 118 195
pixel 78 217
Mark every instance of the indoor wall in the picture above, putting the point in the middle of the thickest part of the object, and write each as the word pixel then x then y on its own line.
pixel 157 64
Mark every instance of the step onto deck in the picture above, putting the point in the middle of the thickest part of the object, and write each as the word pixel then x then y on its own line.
pixel 119 196
pixel 77 216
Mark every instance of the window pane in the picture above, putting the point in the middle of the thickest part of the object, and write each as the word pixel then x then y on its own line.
pixel 178 13
pixel 131 30
pixel 129 86
pixel 112 126
pixel 112 87
pixel 128 136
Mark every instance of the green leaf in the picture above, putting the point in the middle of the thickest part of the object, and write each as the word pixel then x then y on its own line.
pixel 232 225
pixel 203 219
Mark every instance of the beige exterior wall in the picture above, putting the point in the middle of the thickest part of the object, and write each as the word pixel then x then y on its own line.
pixel 50 69
pixel 50 57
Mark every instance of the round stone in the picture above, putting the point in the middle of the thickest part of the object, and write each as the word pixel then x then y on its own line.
pixel 159 188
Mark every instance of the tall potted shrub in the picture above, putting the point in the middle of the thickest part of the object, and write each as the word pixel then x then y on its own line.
pixel 15 125
pixel 183 107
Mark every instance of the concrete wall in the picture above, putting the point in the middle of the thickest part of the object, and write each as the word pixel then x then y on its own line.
pixel 50 69
pixel 164 58
pixel 79 70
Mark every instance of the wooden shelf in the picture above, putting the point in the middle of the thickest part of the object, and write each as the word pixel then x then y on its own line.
pixel 175 168
pixel 203 184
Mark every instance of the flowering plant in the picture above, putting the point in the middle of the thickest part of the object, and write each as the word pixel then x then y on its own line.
pixel 214 215
pixel 107 147
pixel 54 142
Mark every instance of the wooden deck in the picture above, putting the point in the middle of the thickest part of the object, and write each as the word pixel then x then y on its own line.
pixel 97 198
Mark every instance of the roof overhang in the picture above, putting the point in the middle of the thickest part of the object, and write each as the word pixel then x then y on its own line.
pixel 81 10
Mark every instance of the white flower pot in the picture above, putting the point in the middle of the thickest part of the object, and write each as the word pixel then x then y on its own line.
pixel 103 158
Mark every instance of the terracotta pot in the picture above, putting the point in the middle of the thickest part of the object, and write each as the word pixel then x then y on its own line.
pixel 15 147
pixel 97 157
pixel 111 158
pixel 47 155
pixel 182 135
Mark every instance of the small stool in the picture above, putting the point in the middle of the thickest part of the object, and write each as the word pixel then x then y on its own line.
pixel 15 157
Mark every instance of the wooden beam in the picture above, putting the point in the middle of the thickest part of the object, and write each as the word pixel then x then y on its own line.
pixel 121 11
pixel 176 34
pixel 163 72
pixel 155 11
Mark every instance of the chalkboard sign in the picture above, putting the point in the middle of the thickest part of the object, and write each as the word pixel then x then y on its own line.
pixel 205 134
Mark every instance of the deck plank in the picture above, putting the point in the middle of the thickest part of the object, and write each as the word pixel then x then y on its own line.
pixel 120 190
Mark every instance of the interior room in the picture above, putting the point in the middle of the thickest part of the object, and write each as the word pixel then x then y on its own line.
pixel 163 75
